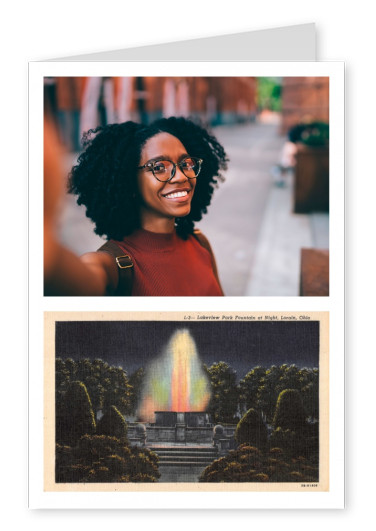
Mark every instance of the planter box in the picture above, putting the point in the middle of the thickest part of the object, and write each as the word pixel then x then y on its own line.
pixel 314 273
pixel 311 187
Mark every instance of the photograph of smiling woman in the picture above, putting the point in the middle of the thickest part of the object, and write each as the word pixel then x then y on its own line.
pixel 144 187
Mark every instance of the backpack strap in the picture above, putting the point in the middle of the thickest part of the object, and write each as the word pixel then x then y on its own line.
pixel 125 268
pixel 125 263
pixel 204 242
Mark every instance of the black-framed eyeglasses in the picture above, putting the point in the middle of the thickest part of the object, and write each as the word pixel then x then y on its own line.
pixel 165 170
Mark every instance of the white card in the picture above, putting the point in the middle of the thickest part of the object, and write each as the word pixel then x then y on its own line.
pixel 216 58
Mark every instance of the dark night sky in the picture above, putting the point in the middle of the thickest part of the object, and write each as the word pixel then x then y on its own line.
pixel 243 345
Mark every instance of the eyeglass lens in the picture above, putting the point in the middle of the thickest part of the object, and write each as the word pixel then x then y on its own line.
pixel 164 169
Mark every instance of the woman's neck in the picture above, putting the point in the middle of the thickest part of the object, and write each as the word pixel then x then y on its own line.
pixel 161 225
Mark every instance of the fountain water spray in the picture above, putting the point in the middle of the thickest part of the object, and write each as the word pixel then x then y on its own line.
pixel 175 381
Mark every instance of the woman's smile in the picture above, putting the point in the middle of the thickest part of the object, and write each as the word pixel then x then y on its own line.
pixel 180 195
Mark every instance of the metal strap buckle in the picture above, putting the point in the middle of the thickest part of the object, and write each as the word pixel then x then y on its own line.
pixel 124 266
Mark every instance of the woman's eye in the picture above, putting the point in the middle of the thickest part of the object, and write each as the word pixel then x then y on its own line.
pixel 188 164
pixel 159 167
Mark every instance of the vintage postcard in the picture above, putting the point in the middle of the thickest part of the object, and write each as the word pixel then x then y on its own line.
pixel 186 402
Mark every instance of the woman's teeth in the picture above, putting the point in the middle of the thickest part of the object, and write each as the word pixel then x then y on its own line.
pixel 176 194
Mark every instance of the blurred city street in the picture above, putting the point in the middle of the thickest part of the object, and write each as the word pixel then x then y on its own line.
pixel 254 233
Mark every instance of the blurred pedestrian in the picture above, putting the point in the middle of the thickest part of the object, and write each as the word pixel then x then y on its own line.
pixel 287 161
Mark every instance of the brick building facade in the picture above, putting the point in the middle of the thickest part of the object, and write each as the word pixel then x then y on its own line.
pixel 216 100
pixel 304 99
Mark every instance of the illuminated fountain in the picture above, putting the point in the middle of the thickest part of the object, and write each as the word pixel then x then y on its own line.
pixel 175 382
pixel 175 399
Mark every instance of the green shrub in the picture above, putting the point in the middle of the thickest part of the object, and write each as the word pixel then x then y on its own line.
pixel 248 464
pixel 285 440
pixel 289 412
pixel 105 459
pixel 74 415
pixel 112 424
pixel 316 134
pixel 251 430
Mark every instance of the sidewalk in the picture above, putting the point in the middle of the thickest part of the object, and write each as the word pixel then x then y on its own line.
pixel 276 267
pixel 237 210
pixel 255 235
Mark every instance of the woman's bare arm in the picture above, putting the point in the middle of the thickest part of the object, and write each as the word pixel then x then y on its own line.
pixel 90 274
pixel 64 272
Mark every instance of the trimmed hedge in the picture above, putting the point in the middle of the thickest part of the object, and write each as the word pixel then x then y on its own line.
pixel 252 430
pixel 113 424
pixel 74 415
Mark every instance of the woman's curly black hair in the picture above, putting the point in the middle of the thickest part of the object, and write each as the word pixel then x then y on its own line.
pixel 105 176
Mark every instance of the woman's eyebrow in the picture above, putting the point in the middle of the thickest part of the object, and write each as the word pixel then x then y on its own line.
pixel 166 157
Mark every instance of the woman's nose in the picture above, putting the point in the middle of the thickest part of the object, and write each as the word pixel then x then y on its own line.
pixel 178 176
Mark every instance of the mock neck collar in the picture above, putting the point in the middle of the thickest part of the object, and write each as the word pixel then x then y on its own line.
pixel 153 241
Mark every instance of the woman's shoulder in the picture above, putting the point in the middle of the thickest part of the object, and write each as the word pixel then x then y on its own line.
pixel 204 242
pixel 202 239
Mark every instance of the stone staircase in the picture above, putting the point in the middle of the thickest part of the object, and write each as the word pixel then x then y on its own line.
pixel 188 456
